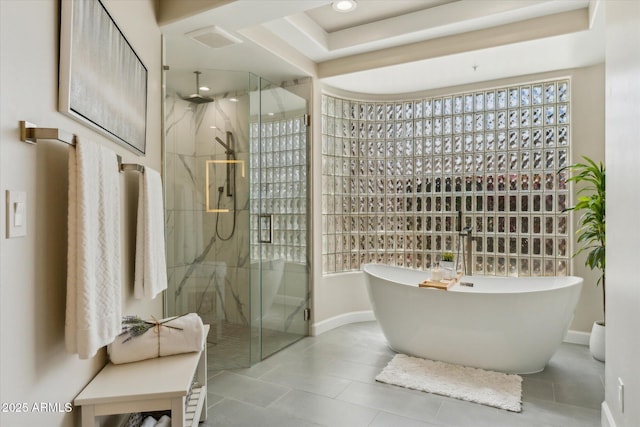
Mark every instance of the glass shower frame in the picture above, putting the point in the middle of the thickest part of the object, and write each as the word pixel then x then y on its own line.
pixel 254 294
pixel 279 216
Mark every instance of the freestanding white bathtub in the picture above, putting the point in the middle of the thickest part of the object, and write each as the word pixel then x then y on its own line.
pixel 505 324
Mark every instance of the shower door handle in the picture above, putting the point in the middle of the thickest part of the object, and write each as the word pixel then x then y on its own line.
pixel 265 228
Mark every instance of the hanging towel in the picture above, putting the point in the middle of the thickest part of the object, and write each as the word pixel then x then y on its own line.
pixel 151 262
pixel 93 315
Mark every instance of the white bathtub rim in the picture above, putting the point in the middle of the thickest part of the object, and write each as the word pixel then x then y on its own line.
pixel 572 337
pixel 567 281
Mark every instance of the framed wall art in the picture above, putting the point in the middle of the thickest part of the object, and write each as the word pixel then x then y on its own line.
pixel 102 81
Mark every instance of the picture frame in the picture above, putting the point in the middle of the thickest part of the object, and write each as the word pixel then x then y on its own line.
pixel 102 81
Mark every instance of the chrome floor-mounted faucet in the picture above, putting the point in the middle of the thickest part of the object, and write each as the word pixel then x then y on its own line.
pixel 465 233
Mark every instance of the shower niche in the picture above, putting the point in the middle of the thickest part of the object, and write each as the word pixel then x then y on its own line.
pixel 236 179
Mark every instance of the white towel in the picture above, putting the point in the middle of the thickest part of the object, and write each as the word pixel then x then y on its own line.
pixel 94 267
pixel 164 421
pixel 151 261
pixel 150 422
pixel 163 341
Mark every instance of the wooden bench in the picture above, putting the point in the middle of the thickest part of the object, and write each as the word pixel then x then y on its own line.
pixel 156 384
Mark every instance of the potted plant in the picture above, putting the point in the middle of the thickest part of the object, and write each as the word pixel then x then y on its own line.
pixel 591 232
pixel 447 263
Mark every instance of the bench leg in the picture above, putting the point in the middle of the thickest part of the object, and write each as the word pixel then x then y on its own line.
pixel 88 416
pixel 177 412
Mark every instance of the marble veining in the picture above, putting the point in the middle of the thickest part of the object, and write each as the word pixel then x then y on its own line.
pixel 197 249
pixel 211 262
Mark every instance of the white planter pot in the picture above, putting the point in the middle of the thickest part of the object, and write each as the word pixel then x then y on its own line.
pixel 449 269
pixel 596 341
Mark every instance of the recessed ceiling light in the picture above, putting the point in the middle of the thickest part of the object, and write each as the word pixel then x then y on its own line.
pixel 269 114
pixel 204 88
pixel 213 127
pixel 233 99
pixel 344 5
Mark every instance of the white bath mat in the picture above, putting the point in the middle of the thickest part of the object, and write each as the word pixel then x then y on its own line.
pixel 490 388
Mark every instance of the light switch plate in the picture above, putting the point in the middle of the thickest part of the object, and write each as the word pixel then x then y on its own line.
pixel 16 213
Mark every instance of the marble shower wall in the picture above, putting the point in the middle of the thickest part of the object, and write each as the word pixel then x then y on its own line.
pixel 208 258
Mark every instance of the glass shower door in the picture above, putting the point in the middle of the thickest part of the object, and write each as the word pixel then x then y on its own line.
pixel 280 264
pixel 206 157
pixel 235 176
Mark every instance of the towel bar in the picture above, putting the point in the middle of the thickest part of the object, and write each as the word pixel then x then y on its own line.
pixel 32 133
pixel 131 167
pixel 123 167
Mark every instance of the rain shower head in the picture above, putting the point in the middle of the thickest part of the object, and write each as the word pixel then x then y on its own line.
pixel 196 98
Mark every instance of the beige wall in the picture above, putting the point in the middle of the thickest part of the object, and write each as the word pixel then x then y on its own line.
pixel 173 10
pixel 623 227
pixel 338 294
pixel 34 364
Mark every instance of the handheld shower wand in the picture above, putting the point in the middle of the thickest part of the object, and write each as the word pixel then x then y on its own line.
pixel 231 182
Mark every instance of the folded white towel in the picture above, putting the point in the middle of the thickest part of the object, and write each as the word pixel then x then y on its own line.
pixel 163 340
pixel 150 422
pixel 94 267
pixel 151 263
pixel 164 421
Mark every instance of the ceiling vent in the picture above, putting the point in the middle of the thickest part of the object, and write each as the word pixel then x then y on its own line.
pixel 214 37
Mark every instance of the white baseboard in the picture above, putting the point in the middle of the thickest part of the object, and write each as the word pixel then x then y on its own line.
pixel 340 320
pixel 606 419
pixel 577 337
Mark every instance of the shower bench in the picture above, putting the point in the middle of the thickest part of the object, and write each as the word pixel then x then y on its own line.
pixel 156 384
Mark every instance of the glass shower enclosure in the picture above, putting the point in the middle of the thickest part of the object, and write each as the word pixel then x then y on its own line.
pixel 236 211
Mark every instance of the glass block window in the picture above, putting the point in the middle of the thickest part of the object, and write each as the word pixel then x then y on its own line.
pixel 279 169
pixel 395 174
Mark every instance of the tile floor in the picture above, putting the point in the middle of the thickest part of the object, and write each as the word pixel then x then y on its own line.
pixel 230 348
pixel 328 380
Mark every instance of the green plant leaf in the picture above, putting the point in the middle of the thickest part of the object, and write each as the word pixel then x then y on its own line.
pixel 591 203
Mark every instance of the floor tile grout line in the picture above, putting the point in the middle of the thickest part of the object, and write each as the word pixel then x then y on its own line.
pixel 288 389
pixel 311 391
pixel 291 390
pixel 267 372
pixel 441 400
pixel 209 378
pixel 252 378
pixel 568 405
